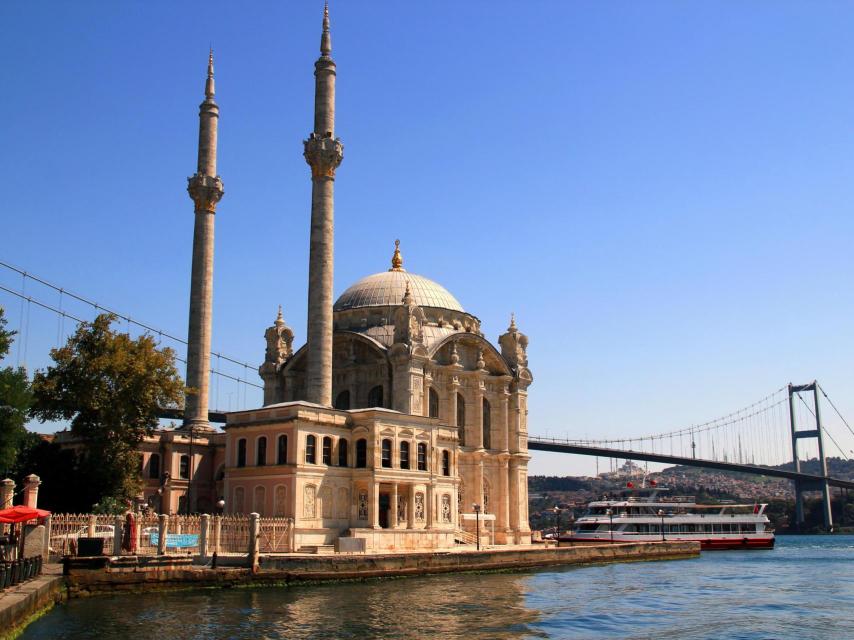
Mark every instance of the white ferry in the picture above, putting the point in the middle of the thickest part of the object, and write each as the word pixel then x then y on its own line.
pixel 645 515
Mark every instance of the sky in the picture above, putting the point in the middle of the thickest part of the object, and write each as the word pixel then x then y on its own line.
pixel 660 191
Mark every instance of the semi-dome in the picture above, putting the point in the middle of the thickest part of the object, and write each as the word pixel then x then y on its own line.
pixel 387 288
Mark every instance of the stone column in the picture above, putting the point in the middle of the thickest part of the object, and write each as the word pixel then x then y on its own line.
pixel 204 527
pixel 117 535
pixel 477 415
pixel 205 189
pixel 393 517
pixel 90 526
pixel 162 530
pixel 254 534
pixel 410 512
pixel 31 491
pixel 7 493
pixel 374 504
pixel 323 152
pixel 217 533
pixel 504 497
pixel 429 506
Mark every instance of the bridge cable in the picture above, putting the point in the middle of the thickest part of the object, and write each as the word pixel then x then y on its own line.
pixel 841 417
pixel 823 428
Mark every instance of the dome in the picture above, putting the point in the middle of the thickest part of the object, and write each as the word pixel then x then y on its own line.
pixel 388 287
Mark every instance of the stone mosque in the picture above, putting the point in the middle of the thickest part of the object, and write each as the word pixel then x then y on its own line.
pixel 393 420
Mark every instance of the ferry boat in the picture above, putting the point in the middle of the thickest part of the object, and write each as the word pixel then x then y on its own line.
pixel 647 515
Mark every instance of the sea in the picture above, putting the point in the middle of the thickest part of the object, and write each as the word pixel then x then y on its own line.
pixel 802 589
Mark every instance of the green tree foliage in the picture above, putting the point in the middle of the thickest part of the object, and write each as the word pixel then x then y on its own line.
pixel 15 399
pixel 109 386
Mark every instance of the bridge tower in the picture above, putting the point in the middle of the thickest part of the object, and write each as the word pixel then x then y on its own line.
pixel 798 434
pixel 205 189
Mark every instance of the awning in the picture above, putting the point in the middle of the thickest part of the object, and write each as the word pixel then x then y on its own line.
pixel 20 513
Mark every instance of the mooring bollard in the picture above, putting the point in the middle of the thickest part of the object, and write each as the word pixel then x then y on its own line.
pixel 162 526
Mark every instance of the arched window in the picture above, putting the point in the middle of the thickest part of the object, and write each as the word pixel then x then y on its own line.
pixel 261 457
pixel 184 467
pixel 282 450
pixel 241 452
pixel 154 466
pixel 461 418
pixel 342 452
pixel 375 396
pixel 259 498
pixel 342 400
pixel 433 403
pixel 422 456
pixel 404 454
pixel 487 425
pixel 386 453
pixel 327 450
pixel 361 453
pixel 310 449
pixel 446 463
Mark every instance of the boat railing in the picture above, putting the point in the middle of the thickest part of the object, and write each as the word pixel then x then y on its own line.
pixel 668 499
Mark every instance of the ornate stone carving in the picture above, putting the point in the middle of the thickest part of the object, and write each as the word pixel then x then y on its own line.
pixel 280 340
pixel 323 155
pixel 280 500
pixel 446 508
pixel 514 346
pixel 309 503
pixel 363 505
pixel 401 508
pixel 205 192
pixel 419 507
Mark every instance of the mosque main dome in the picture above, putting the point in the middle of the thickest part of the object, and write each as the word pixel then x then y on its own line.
pixel 387 288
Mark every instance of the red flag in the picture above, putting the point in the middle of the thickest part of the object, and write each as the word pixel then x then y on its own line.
pixel 652 483
pixel 630 485
pixel 755 509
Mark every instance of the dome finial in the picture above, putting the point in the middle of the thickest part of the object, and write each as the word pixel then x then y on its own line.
pixel 279 319
pixel 512 326
pixel 397 259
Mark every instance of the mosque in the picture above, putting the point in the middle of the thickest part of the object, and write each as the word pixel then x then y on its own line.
pixel 393 423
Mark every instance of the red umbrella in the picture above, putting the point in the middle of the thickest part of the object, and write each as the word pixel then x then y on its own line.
pixel 20 513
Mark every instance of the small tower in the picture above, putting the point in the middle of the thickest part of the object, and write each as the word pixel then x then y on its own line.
pixel 280 339
pixel 323 153
pixel 205 189
pixel 514 345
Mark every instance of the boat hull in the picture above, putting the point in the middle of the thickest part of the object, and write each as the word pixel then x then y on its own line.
pixel 706 544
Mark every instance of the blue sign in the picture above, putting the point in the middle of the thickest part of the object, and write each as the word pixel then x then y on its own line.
pixel 177 540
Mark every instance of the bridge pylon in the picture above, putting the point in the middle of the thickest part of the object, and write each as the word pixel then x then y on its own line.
pixel 798 434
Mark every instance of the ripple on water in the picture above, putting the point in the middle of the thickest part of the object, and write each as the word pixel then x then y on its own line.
pixel 802 590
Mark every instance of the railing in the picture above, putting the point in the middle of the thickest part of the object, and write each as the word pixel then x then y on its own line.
pixel 17 571
pixel 465 537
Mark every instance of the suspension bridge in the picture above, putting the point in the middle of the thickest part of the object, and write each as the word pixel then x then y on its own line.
pixel 776 436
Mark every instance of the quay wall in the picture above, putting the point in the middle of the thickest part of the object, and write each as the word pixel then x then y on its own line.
pixel 27 601
pixel 92 576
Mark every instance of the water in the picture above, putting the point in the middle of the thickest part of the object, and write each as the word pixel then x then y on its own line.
pixel 803 589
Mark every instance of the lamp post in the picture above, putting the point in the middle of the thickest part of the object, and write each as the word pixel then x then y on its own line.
pixel 476 508
pixel 661 515
pixel 610 514
pixel 556 511
pixel 220 504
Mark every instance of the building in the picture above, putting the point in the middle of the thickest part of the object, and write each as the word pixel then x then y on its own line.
pixel 390 424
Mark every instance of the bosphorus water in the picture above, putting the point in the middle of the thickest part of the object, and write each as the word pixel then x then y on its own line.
pixel 803 589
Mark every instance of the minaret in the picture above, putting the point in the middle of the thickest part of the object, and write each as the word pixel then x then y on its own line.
pixel 205 189
pixel 323 152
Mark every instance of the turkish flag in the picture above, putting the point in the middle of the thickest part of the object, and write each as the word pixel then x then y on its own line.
pixel 630 485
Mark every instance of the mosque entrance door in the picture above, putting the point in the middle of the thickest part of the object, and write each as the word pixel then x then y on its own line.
pixel 385 506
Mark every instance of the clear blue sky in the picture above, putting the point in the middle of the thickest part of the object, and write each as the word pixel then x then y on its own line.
pixel 661 191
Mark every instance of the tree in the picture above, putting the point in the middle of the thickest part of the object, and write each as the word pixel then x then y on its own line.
pixel 15 399
pixel 110 387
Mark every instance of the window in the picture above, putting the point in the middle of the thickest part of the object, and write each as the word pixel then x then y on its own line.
pixel 241 452
pixel 154 466
pixel 282 450
pixel 422 456
pixel 446 463
pixel 310 446
pixel 261 456
pixel 487 425
pixel 461 418
pixel 375 397
pixel 342 452
pixel 361 453
pixel 404 455
pixel 327 450
pixel 342 400
pixel 184 467
pixel 386 448
pixel 433 402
